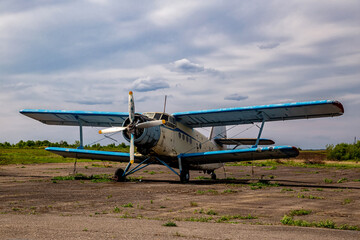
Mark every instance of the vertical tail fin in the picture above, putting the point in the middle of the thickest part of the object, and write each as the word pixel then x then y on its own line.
pixel 218 132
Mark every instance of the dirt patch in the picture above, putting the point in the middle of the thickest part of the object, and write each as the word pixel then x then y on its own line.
pixel 242 195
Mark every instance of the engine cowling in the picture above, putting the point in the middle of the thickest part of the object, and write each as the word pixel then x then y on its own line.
pixel 145 138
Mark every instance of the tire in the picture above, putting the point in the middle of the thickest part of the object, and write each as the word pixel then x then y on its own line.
pixel 185 176
pixel 119 175
pixel 213 176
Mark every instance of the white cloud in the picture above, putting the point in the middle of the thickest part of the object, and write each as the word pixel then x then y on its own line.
pixel 147 84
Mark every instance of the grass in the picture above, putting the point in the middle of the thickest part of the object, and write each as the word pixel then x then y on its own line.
pixel 199 219
pixel 128 205
pixel 346 201
pixel 327 180
pixel 31 156
pixel 80 176
pixel 226 218
pixel 260 185
pixel 289 220
pixel 299 212
pixel 193 204
pixel 309 196
pixel 297 163
pixel 170 224
pixel 230 191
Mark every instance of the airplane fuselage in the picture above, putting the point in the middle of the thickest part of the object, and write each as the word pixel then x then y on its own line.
pixel 173 138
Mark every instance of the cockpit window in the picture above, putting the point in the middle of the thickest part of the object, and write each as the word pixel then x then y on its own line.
pixel 157 116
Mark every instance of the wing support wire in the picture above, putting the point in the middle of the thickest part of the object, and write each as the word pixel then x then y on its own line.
pixel 264 117
pixel 144 164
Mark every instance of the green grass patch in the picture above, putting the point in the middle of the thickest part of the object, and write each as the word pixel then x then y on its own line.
pixel 327 180
pixel 299 212
pixel 169 224
pixel 80 176
pixel 226 218
pixel 262 184
pixel 199 219
pixel 127 205
pixel 342 180
pixel 287 190
pixel 230 191
pixel 289 220
pixel 309 196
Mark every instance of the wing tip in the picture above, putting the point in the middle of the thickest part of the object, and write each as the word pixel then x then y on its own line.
pixel 340 106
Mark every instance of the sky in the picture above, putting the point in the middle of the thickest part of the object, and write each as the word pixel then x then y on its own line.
pixel 88 54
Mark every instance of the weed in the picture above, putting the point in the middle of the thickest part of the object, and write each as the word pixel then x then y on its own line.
pixel 342 180
pixel 271 168
pixel 162 207
pixel 85 230
pixel 309 196
pixel 262 184
pixel 193 204
pixel 110 196
pixel 304 190
pixel 170 224
pixel 346 201
pixel 287 190
pixel 152 172
pixel 202 178
pixel 319 189
pixel 327 180
pixel 229 191
pixel 116 210
pixel 211 212
pixel 299 212
pixel 151 201
pixel 128 205
pixel 226 218
pixel 200 219
pixel 200 192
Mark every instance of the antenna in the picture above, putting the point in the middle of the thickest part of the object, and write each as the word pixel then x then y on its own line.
pixel 165 103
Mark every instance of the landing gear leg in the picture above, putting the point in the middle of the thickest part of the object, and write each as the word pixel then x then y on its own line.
pixel 184 175
pixel 119 175
pixel 213 175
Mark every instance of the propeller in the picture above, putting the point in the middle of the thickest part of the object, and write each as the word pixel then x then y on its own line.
pixel 132 126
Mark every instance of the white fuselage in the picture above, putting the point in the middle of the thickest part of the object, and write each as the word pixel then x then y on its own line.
pixel 176 138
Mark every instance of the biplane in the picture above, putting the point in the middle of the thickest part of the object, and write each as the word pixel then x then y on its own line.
pixel 173 141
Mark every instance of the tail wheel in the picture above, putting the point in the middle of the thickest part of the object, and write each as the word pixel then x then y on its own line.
pixel 119 175
pixel 184 176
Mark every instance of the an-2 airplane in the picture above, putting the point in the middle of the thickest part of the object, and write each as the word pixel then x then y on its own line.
pixel 172 140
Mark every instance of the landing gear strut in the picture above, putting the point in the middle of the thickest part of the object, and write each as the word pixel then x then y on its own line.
pixel 119 175
pixel 184 175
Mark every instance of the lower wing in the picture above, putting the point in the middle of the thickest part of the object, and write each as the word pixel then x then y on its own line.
pixel 240 155
pixel 93 154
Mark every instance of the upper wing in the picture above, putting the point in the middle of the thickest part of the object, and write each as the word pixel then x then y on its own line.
pixel 240 155
pixel 93 154
pixel 246 115
pixel 74 118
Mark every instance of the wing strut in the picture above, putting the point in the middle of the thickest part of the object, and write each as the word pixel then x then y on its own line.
pixel 260 131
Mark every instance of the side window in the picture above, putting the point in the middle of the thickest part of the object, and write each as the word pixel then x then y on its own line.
pixel 157 116
pixel 179 135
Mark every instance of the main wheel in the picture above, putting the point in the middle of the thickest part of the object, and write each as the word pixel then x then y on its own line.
pixel 184 176
pixel 119 175
pixel 213 175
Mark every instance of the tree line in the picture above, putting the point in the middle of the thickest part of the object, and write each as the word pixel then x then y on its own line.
pixel 343 151
pixel 64 144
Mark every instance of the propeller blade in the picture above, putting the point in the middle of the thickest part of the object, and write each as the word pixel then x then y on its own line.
pixel 150 124
pixel 132 149
pixel 112 130
pixel 131 107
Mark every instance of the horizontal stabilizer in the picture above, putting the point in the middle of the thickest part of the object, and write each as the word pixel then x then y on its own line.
pixel 243 141
pixel 93 154
pixel 240 155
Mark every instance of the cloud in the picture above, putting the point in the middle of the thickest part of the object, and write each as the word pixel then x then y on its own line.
pixel 185 66
pixel 91 102
pixel 235 97
pixel 147 84
pixel 269 45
